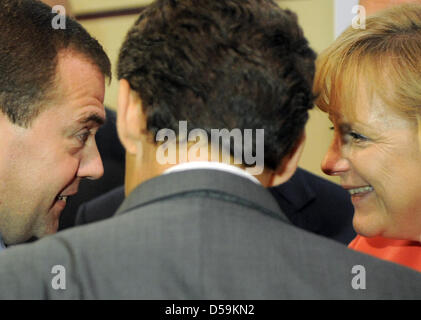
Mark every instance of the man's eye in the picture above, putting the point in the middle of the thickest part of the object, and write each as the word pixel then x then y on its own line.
pixel 83 137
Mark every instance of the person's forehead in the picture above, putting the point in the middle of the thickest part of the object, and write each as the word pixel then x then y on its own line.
pixel 76 75
pixel 369 112
pixel 68 119
pixel 78 93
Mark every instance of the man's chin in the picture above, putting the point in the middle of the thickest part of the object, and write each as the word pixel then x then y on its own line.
pixel 49 230
pixel 50 225
pixel 31 239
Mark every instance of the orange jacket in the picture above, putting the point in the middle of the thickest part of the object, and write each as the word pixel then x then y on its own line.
pixel 405 252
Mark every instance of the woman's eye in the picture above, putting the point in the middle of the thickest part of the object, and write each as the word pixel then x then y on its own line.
pixel 356 137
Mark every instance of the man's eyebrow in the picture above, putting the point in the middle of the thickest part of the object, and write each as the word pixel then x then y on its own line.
pixel 93 117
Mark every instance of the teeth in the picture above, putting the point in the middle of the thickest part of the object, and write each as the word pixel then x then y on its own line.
pixel 62 198
pixel 360 190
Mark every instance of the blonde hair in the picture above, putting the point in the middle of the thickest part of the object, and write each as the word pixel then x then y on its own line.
pixel 384 60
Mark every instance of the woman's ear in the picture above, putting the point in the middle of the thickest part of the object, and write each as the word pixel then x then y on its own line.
pixel 130 119
pixel 289 164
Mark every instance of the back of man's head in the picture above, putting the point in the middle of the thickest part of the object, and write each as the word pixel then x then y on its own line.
pixel 222 64
pixel 29 47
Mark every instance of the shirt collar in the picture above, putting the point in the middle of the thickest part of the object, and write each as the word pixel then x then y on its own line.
pixel 194 165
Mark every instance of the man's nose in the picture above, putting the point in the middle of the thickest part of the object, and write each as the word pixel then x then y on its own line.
pixel 91 166
pixel 334 164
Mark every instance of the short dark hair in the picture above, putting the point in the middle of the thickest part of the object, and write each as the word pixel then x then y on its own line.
pixel 29 48
pixel 222 64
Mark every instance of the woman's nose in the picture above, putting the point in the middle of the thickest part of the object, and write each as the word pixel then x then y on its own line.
pixel 334 164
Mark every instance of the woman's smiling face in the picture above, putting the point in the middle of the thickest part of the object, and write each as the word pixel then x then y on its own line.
pixel 376 153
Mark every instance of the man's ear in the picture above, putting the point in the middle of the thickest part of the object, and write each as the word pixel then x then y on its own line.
pixel 130 118
pixel 290 163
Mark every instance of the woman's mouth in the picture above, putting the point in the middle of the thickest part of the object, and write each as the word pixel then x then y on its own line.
pixel 359 194
pixel 360 190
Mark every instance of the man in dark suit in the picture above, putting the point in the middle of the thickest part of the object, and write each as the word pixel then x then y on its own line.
pixel 308 201
pixel 197 228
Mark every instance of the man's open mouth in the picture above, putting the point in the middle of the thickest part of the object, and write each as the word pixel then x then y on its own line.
pixel 62 198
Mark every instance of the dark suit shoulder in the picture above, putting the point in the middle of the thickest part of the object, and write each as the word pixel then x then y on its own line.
pixel 317 182
pixel 100 208
pixel 317 205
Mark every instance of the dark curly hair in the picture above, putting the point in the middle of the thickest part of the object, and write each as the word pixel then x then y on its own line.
pixel 222 64
pixel 29 48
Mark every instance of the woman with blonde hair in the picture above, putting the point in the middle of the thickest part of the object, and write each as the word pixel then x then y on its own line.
pixel 369 82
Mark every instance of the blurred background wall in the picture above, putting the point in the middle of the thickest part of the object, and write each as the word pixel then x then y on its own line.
pixel 109 20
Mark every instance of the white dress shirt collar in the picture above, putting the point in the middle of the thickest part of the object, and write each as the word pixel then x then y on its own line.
pixel 210 165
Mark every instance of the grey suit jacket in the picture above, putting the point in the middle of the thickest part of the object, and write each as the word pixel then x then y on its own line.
pixel 308 201
pixel 200 234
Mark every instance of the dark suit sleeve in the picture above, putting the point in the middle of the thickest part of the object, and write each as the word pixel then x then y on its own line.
pixel 80 215
pixel 316 205
pixel 100 208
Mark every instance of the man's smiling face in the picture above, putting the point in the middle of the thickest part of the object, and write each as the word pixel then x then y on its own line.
pixel 42 164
